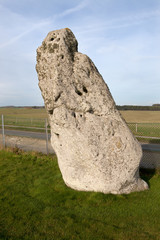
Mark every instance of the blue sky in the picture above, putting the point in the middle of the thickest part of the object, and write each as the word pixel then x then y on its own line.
pixel 122 37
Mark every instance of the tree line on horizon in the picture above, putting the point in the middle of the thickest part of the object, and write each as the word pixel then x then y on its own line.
pixel 154 107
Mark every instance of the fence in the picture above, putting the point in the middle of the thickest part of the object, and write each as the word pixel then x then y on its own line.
pixel 23 122
pixel 38 131
pixel 149 132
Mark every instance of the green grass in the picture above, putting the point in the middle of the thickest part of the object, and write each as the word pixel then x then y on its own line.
pixel 145 129
pixel 36 204
pixel 27 122
pixel 24 117
pixel 24 124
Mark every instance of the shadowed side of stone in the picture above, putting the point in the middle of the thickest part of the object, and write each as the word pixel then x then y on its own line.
pixel 96 151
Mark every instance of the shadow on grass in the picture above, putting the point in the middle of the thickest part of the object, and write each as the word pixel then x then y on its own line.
pixel 154 141
pixel 149 140
pixel 147 174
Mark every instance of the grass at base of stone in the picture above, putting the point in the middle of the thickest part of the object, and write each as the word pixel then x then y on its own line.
pixel 36 204
pixel 148 140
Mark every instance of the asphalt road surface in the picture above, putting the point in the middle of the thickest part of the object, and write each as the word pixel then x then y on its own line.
pixel 149 147
pixel 20 133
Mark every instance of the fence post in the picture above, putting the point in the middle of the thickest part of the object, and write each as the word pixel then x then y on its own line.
pixel 46 126
pixel 3 136
pixel 136 127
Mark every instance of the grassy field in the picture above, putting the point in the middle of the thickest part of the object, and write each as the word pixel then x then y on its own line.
pixel 35 204
pixel 145 129
pixel 144 123
pixel 31 113
pixel 29 117
pixel 141 116
pixel 129 116
pixel 141 123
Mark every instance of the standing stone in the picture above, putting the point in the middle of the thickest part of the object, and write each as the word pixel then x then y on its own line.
pixel 96 151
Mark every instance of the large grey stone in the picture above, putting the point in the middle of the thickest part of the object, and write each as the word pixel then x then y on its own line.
pixel 96 151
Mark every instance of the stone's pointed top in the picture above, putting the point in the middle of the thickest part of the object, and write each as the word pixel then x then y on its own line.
pixel 96 151
pixel 68 29
pixel 61 31
pixel 59 40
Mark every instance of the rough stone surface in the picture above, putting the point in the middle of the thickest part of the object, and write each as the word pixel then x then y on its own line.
pixel 96 151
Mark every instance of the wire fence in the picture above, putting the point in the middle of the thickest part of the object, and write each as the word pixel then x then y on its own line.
pixel 26 133
pixel 34 134
pixel 35 122
pixel 146 131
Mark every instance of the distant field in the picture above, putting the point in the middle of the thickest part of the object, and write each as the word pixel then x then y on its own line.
pixel 141 123
pixel 141 116
pixel 129 116
pixel 24 112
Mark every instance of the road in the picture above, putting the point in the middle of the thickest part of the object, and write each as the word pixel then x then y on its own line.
pixel 151 147
pixel 148 147
pixel 20 133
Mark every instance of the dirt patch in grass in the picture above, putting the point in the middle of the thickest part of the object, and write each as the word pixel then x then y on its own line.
pixel 27 144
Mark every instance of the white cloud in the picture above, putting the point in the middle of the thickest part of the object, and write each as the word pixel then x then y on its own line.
pixel 22 34
pixel 121 22
pixel 29 26
pixel 125 48
pixel 77 8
